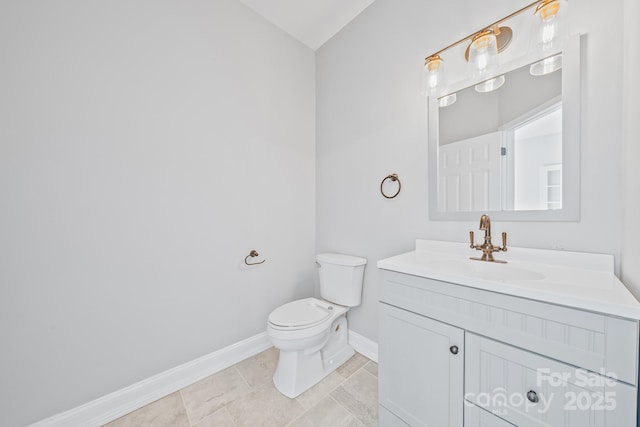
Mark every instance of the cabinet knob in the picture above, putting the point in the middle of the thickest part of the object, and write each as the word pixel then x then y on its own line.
pixel 532 396
pixel 453 349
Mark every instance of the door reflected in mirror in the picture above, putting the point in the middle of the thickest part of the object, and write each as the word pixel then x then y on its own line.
pixel 501 150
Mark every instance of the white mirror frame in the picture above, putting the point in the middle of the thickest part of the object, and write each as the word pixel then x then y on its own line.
pixel 571 70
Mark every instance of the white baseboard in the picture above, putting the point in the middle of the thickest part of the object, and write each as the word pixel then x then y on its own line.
pixel 364 346
pixel 128 399
pixel 114 405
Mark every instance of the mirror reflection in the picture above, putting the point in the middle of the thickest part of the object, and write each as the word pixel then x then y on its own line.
pixel 500 144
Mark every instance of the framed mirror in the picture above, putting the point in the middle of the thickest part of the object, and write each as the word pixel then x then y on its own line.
pixel 513 152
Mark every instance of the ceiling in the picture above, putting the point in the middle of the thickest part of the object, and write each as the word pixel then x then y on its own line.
pixel 313 22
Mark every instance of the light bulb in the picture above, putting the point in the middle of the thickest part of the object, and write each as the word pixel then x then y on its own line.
pixel 433 78
pixel 483 53
pixel 551 31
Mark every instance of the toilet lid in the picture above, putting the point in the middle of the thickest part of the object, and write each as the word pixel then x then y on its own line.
pixel 305 312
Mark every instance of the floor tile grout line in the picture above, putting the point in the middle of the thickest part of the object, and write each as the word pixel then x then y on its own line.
pixel 370 373
pixel 347 409
pixel 230 416
pixel 347 378
pixel 355 417
pixel 344 380
pixel 363 368
pixel 324 396
pixel 328 394
pixel 251 390
pixel 184 405
pixel 304 412
pixel 225 406
pixel 360 368
pixel 246 381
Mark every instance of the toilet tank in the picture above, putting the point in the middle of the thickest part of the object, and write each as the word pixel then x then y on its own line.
pixel 341 278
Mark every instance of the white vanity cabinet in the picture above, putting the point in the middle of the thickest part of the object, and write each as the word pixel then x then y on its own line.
pixel 456 355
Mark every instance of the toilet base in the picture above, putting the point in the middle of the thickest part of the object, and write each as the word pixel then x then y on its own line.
pixel 297 371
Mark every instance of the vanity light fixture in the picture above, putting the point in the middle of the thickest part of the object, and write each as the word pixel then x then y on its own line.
pixel 485 45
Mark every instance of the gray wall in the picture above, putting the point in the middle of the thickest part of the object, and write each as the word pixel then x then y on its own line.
pixel 631 149
pixel 473 114
pixel 145 148
pixel 371 121
pixel 476 113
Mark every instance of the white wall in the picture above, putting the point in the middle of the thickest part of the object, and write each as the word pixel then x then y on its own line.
pixel 531 157
pixel 631 148
pixel 371 121
pixel 145 148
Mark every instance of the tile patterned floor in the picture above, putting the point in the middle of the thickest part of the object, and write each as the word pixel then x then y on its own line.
pixel 244 395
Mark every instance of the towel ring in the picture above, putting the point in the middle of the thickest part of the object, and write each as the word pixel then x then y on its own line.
pixel 253 254
pixel 393 177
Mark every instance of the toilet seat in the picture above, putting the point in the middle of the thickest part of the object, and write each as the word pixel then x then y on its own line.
pixel 304 314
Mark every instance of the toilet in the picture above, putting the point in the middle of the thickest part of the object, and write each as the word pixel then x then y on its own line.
pixel 311 333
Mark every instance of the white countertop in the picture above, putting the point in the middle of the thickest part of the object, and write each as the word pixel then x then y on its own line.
pixel 573 279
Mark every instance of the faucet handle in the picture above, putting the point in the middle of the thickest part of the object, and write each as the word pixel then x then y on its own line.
pixel 471 239
pixel 504 241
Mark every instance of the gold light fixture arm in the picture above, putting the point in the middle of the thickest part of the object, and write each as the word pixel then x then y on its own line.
pixel 489 27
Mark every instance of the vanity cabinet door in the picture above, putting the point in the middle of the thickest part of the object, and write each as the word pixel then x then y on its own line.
pixel 530 390
pixel 421 365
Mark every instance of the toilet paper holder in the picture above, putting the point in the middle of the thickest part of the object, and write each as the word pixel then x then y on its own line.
pixel 253 254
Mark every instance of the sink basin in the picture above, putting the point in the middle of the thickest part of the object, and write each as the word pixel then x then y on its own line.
pixel 487 270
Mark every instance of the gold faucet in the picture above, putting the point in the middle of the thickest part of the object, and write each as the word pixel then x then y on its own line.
pixel 487 248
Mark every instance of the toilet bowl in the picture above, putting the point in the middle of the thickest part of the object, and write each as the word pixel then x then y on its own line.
pixel 312 333
pixel 302 330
